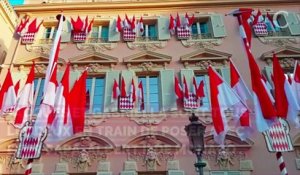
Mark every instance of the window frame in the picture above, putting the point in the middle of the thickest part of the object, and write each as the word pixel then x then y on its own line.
pixel 92 108
pixel 200 35
pixel 99 39
pixel 145 35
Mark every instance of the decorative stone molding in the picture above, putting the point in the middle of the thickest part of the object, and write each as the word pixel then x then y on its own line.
pixel 147 118
pixel 147 45
pixel 201 59
pixel 201 43
pixel 83 150
pixel 280 41
pixel 287 56
pixel 147 61
pixel 37 168
pixel 96 47
pixel 297 163
pixel 43 46
pixel 233 153
pixel 41 61
pixel 97 62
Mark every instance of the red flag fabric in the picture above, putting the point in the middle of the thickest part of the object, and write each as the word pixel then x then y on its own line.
pixel 21 27
pixel 115 91
pixel 17 87
pixel 178 89
pixel 172 25
pixel 285 99
pixel 132 91
pixel 257 18
pixel 24 106
pixel 186 89
pixel 200 90
pixel 133 23
pixel 89 29
pixel 178 23
pixel 141 96
pixel 7 95
pixel 222 97
pixel 191 20
pixel 77 107
pixel 32 27
pixel 270 19
pixel 141 25
pixel 119 24
pixel 123 88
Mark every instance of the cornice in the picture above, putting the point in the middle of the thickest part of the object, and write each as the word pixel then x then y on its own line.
pixel 150 5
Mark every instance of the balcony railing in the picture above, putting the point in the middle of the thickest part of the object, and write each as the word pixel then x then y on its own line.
pixel 145 39
pixel 97 40
pixel 201 36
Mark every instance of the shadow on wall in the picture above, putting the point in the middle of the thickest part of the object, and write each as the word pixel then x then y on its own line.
pixel 3 53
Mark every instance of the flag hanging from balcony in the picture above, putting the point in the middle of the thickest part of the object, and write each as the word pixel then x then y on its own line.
pixel 244 129
pixel 129 29
pixel 259 26
pixel 119 25
pixel 81 28
pixel 141 96
pixel 285 99
pixel 24 106
pixel 78 107
pixel 7 95
pixel 126 102
pixel 222 98
pixel 47 106
pixel 28 30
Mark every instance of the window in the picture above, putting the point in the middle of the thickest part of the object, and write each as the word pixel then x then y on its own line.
pixel 100 32
pixel 38 93
pixel 150 31
pixel 95 95
pixel 151 93
pixel 200 28
pixel 49 34
pixel 205 101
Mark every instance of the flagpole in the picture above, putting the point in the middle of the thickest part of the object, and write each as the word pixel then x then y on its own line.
pixel 29 167
pixel 282 167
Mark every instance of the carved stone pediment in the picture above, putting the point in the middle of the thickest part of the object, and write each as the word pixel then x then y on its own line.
pixel 9 145
pixel 97 62
pixel 231 141
pixel 286 55
pixel 41 61
pixel 204 57
pixel 152 140
pixel 86 141
pixel 147 61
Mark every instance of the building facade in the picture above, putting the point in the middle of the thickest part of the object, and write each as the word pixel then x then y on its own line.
pixel 150 140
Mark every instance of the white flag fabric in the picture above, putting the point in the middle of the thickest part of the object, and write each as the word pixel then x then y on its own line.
pixel 7 95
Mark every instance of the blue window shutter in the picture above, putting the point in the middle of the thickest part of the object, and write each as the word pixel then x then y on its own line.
pixel 194 29
pixel 104 33
pixel 113 34
pixel 168 97
pixel 218 25
pixel 152 32
pixel 109 81
pixel 163 28
pixel 204 28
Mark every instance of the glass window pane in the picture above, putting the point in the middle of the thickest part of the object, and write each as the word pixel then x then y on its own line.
pixel 153 80
pixel 204 27
pixel 153 97
pixel 39 94
pixel 154 107
pixel 194 29
pixel 152 31
pixel 104 33
pixel 47 32
pixel 153 89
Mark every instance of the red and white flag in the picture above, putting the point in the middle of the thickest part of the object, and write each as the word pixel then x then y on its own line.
pixel 265 112
pixel 77 107
pixel 127 22
pixel 244 129
pixel 115 91
pixel 178 89
pixel 222 98
pixel 17 87
pixel 141 25
pixel 7 95
pixel 133 24
pixel 296 82
pixel 285 100
pixel 85 24
pixel 178 23
pixel 132 92
pixel 258 18
pixel 21 29
pixel 61 126
pixel 186 22
pixel 89 28
pixel 270 19
pixel 123 88
pixel 47 106
pixel 172 24
pixel 24 106
pixel 141 96
pixel 33 27
pixel 186 89
pixel 119 26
